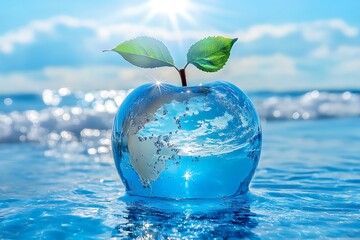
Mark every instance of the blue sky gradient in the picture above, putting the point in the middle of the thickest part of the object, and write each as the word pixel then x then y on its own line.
pixel 283 45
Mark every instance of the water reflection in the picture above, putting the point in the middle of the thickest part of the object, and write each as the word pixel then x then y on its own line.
pixel 164 219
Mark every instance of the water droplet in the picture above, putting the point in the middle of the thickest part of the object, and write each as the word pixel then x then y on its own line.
pixel 8 101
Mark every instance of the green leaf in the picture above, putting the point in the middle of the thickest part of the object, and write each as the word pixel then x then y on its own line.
pixel 210 54
pixel 145 52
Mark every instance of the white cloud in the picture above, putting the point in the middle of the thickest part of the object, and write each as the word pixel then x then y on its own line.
pixel 85 78
pixel 28 34
pixel 349 67
pixel 317 31
pixel 341 52
pixel 348 51
pixel 271 72
pixel 321 52
pixel 276 64
pixel 311 31
pixel 82 78
pixel 254 72
pixel 344 61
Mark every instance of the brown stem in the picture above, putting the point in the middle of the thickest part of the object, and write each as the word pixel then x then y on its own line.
pixel 183 77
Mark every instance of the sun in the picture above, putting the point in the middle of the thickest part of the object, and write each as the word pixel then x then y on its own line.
pixel 170 17
pixel 172 9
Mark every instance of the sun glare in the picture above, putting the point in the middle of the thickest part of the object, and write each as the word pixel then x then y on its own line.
pixel 167 7
pixel 173 9
pixel 174 14
pixel 187 175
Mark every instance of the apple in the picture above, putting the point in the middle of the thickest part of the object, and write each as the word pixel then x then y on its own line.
pixel 184 142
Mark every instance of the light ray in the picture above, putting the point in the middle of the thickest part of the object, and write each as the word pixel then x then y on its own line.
pixel 173 10
pixel 175 14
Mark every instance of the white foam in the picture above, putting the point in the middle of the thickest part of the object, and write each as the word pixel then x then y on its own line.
pixel 93 115
pixel 311 105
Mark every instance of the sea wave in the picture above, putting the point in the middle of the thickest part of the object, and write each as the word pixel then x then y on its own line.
pixel 62 116
pixel 309 105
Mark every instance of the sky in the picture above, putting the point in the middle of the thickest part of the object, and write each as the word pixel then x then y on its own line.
pixel 282 45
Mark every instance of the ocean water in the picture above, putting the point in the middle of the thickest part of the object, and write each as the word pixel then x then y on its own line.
pixel 58 179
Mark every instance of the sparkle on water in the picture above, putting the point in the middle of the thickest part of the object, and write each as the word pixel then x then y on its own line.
pixel 187 175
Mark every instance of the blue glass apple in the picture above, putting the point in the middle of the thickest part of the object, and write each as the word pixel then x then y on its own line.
pixel 185 142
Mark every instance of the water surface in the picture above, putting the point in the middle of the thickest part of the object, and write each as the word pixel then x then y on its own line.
pixel 58 179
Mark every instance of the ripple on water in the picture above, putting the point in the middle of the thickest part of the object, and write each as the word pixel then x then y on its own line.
pixel 301 191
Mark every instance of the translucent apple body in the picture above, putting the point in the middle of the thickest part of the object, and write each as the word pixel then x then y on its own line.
pixel 186 142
